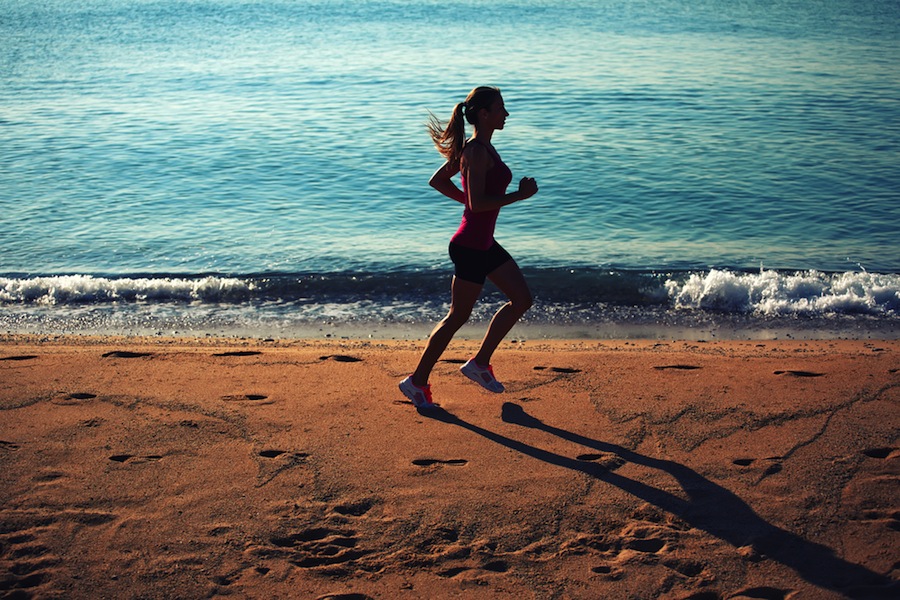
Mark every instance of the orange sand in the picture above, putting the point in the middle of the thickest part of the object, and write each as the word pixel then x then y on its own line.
pixel 148 468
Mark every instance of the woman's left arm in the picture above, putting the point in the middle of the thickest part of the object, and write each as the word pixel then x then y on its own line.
pixel 442 181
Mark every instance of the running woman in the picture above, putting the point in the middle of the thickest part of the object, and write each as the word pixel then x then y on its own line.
pixel 475 254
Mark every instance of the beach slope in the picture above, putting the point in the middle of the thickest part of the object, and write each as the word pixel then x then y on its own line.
pixel 174 468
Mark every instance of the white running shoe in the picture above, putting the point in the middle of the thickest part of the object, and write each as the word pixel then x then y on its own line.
pixel 483 376
pixel 419 396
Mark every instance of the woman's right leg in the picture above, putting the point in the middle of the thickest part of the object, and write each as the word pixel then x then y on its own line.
pixel 509 279
pixel 463 295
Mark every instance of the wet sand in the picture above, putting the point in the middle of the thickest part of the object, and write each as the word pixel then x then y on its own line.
pixel 199 468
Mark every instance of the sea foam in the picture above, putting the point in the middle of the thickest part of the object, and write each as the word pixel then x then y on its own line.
pixel 771 293
pixel 87 289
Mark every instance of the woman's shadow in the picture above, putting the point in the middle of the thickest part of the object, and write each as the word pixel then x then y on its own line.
pixel 707 506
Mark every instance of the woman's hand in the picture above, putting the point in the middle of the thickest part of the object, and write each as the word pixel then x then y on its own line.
pixel 527 187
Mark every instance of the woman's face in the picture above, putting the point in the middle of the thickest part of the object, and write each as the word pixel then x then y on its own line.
pixel 495 116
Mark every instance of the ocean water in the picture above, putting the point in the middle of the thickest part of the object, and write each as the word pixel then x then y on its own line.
pixel 260 167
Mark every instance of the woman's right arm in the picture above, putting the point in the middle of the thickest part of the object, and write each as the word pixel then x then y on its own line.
pixel 442 181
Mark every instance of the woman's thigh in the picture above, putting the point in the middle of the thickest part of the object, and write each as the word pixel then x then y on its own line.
pixel 463 296
pixel 509 278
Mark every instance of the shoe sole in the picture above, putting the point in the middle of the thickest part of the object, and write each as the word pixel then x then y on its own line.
pixel 476 379
pixel 412 399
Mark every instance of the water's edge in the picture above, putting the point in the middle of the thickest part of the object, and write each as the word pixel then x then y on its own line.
pixel 715 303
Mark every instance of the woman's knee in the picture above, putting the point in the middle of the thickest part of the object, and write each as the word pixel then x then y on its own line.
pixel 457 317
pixel 527 302
pixel 521 302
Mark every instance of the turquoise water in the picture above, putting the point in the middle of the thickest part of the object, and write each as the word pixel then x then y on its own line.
pixel 692 156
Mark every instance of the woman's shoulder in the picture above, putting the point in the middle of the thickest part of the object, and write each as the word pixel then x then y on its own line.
pixel 476 150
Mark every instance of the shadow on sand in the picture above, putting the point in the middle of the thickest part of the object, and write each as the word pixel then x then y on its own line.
pixel 708 507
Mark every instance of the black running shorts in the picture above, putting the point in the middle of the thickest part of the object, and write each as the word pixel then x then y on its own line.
pixel 475 265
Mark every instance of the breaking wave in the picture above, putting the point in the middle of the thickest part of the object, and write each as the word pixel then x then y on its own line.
pixel 770 293
pixel 766 292
pixel 87 289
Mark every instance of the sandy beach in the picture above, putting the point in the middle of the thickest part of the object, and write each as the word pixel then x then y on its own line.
pixel 201 468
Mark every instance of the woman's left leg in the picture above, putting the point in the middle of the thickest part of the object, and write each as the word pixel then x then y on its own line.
pixel 509 279
pixel 463 296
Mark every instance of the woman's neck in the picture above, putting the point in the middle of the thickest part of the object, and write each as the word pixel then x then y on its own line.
pixel 483 135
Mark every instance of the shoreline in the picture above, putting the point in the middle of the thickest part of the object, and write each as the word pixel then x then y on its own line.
pixel 161 467
pixel 665 327
pixel 363 341
pixel 569 304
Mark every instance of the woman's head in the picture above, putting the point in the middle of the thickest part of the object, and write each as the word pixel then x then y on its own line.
pixel 481 98
pixel 482 102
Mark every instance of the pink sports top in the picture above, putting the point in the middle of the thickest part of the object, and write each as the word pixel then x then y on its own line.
pixel 477 229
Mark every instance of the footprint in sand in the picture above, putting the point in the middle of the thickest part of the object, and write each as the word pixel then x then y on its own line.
pixel 135 460
pixel 250 399
pixel 607 461
pixel 74 398
pixel 125 354
pixel 354 509
pixel 48 477
pixel 11 446
pixel 889 518
pixel 494 566
pixel 762 593
pixel 239 353
pixel 285 453
pixel 341 358
pixel 608 571
pixel 271 453
pixel 646 545
pixel 223 580
pixel 799 373
pixel 28 540
pixel 320 547
pixel 688 568
pixel 29 563
pixel 566 370
pixel 772 469
pixel 775 466
pixel 20 357
pixel 677 367
pixel 271 468
pixel 436 462
pixel 881 453
pixel 452 572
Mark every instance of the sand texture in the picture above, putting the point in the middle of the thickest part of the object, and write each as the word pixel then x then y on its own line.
pixel 150 468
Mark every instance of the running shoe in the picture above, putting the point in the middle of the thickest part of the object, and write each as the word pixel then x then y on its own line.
pixel 483 376
pixel 419 396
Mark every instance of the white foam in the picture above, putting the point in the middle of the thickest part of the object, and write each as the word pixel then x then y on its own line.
pixel 770 293
pixel 80 289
